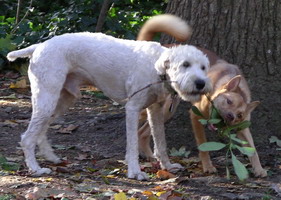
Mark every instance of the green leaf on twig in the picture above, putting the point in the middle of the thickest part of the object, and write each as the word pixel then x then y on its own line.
pixel 196 111
pixel 203 121
pixel 234 138
pixel 274 139
pixel 211 146
pixel 239 168
pixel 214 121
pixel 180 153
pixel 249 151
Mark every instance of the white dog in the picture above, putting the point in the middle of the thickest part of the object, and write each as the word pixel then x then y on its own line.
pixel 120 68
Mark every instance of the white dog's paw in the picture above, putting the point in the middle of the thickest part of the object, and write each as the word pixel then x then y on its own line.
pixel 141 176
pixel 41 171
pixel 54 159
pixel 50 156
pixel 175 167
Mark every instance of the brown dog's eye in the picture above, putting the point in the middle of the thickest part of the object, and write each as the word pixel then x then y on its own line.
pixel 240 115
pixel 186 64
pixel 228 101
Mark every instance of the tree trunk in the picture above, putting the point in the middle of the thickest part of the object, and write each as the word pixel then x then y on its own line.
pixel 18 12
pixel 102 16
pixel 246 33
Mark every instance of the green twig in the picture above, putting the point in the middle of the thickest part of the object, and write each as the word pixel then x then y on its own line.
pixel 25 15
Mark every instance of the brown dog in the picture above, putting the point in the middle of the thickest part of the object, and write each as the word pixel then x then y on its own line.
pixel 231 96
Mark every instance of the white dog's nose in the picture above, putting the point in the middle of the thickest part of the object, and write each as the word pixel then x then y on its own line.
pixel 200 84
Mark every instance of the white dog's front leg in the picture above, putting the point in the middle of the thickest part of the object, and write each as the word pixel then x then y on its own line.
pixel 132 153
pixel 156 121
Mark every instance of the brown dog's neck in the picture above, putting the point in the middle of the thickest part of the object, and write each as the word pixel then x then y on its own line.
pixel 213 58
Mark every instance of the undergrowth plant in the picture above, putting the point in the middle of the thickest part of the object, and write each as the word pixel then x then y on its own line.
pixel 42 20
pixel 216 123
pixel 8 166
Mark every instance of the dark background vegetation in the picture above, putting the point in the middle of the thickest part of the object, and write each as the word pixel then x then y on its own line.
pixel 41 20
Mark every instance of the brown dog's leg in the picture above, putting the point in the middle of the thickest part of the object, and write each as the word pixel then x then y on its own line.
pixel 255 161
pixel 144 141
pixel 200 137
pixel 144 131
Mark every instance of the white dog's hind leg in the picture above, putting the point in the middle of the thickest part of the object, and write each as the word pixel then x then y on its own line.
pixel 45 148
pixel 45 96
pixel 29 141
pixel 132 152
pixel 65 101
pixel 156 121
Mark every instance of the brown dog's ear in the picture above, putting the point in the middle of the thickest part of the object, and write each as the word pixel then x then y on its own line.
pixel 232 84
pixel 251 106
pixel 163 63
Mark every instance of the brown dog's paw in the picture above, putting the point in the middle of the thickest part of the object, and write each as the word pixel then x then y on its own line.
pixel 260 173
pixel 209 168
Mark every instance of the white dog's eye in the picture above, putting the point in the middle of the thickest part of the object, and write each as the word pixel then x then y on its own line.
pixel 186 64
pixel 203 67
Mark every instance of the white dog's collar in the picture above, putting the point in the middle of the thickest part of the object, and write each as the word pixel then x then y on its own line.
pixel 167 84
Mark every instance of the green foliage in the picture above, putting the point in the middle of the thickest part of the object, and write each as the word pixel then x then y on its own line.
pixel 45 19
pixel 239 168
pixel 211 146
pixel 7 197
pixel 274 139
pixel 179 153
pixel 216 122
pixel 8 166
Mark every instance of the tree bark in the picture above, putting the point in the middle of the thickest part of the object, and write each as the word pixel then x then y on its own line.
pixel 18 12
pixel 102 15
pixel 246 33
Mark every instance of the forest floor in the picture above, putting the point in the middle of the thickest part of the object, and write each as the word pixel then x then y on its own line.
pixel 91 139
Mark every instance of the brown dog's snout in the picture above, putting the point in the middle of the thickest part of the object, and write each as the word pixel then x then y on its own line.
pixel 200 84
pixel 229 117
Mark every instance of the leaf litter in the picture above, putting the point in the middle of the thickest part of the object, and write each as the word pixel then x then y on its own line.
pixel 87 172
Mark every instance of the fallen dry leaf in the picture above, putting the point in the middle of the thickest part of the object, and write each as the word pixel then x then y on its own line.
pixel 120 196
pixel 11 96
pixel 19 84
pixel 162 174
pixel 43 193
pixel 81 157
pixel 62 170
pixel 11 123
pixel 147 193
pixel 68 129
pixel 56 127
pixel 171 195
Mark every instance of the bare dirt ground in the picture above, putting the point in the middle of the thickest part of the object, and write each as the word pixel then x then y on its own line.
pixel 91 139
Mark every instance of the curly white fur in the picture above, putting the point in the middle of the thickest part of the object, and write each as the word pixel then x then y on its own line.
pixel 59 66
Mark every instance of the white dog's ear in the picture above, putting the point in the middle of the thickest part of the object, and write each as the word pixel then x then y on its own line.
pixel 233 83
pixel 162 64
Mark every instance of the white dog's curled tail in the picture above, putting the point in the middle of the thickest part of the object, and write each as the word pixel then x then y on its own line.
pixel 26 52
pixel 166 23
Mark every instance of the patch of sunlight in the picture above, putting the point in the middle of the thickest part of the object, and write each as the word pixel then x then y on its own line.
pixel 18 103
